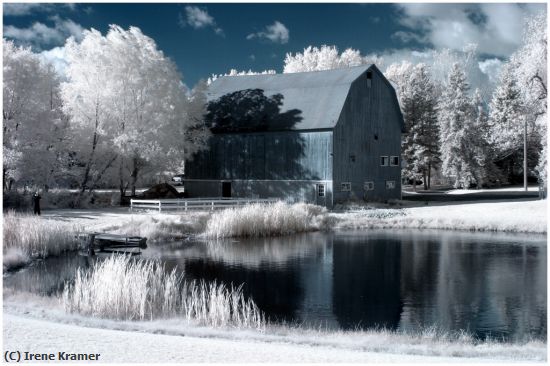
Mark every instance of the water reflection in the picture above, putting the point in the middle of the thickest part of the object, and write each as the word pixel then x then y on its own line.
pixel 489 284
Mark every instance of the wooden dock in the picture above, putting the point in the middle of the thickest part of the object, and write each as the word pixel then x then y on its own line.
pixel 110 242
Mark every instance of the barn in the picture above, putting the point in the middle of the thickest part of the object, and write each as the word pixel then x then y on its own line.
pixel 322 137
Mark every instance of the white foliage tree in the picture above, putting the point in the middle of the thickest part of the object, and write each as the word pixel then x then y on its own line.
pixel 420 145
pixel 530 68
pixel 33 126
pixel 130 96
pixel 456 116
pixel 235 72
pixel 326 58
pixel 506 118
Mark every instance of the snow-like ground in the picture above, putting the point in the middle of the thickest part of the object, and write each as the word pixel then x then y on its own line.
pixel 507 189
pixel 118 346
pixel 517 216
pixel 33 323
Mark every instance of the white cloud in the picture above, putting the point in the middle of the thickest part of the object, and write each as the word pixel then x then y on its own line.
pixel 198 18
pixel 496 28
pixel 276 33
pixel 39 35
pixel 491 68
pixel 21 9
pixel 57 57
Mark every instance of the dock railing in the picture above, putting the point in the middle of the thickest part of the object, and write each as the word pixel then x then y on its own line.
pixel 203 204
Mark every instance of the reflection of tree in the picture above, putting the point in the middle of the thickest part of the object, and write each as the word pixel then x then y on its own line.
pixel 276 291
pixel 366 291
pixel 464 282
pixel 249 110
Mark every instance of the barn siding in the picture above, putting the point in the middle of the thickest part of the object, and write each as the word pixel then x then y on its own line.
pixel 284 164
pixel 272 155
pixel 366 113
pixel 289 190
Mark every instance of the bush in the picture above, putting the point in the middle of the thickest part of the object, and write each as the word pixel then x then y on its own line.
pixel 122 288
pixel 262 220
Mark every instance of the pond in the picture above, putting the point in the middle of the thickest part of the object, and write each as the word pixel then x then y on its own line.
pixel 491 285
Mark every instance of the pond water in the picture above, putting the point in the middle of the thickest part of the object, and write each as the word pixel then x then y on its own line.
pixel 491 285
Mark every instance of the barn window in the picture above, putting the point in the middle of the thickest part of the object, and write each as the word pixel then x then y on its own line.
pixel 390 184
pixel 369 78
pixel 352 158
pixel 346 187
pixel 394 161
pixel 384 161
pixel 369 186
pixel 321 190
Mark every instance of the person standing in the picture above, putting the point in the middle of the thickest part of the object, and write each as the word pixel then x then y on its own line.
pixel 36 203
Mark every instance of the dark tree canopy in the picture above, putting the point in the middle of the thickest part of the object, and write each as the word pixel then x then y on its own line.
pixel 249 110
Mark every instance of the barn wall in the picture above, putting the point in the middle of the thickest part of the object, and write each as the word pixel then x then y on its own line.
pixel 284 164
pixel 368 111
pixel 290 191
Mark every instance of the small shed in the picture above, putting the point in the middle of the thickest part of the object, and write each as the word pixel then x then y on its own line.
pixel 323 137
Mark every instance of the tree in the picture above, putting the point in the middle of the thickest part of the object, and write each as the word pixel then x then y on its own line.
pixel 509 119
pixel 455 118
pixel 130 97
pixel 325 58
pixel 418 101
pixel 530 69
pixel 33 125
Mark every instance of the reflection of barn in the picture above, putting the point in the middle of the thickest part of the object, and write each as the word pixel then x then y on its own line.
pixel 323 137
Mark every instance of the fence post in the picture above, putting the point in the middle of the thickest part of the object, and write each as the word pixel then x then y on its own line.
pixel 185 205
pixel 160 206
pixel 212 205
pixel 131 205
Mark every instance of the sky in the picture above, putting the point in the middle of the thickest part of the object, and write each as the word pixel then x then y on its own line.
pixel 207 38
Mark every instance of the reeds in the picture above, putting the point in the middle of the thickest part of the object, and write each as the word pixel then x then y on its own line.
pixel 122 288
pixel 28 236
pixel 263 220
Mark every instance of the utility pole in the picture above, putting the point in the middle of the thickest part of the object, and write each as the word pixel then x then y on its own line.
pixel 525 154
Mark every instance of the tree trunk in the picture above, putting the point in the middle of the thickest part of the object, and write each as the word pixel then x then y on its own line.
pixel 86 176
pixel 121 187
pixel 429 175
pixel 425 181
pixel 134 175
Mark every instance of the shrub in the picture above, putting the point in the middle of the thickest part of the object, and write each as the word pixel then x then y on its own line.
pixel 262 220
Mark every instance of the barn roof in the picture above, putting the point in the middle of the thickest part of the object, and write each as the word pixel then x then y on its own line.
pixel 319 95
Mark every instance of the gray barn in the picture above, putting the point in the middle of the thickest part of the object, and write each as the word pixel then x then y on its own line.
pixel 324 137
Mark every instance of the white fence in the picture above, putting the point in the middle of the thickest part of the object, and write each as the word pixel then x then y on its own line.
pixel 195 204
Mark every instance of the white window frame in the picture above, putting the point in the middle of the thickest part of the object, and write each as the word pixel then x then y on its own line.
pixel 391 160
pixel 321 190
pixel 345 186
pixel 384 160
pixel 369 185
pixel 390 184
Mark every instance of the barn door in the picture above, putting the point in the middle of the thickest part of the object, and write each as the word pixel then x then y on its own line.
pixel 321 194
pixel 226 189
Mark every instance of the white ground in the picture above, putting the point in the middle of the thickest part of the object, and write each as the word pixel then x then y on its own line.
pixel 514 216
pixel 32 323
pixel 23 330
pixel 518 216
pixel 118 346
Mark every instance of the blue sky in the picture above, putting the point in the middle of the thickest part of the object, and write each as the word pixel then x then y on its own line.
pixel 212 38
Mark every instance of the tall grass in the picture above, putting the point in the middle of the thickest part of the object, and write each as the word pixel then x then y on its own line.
pixel 263 220
pixel 28 236
pixel 122 288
